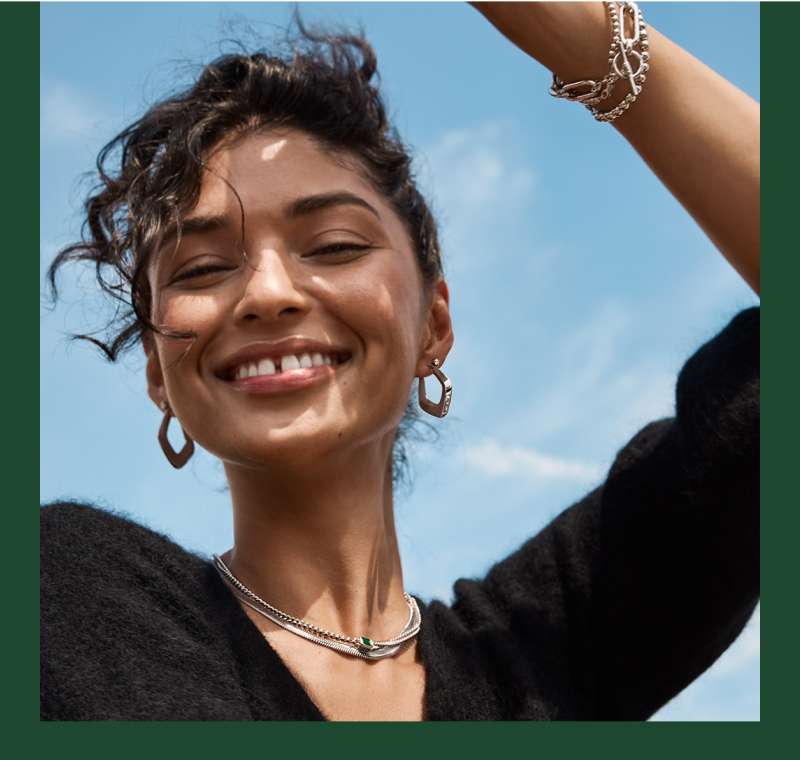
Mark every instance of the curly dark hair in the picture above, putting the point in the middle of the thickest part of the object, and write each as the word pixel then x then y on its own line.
pixel 150 174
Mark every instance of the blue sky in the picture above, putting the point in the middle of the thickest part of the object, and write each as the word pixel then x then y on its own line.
pixel 578 285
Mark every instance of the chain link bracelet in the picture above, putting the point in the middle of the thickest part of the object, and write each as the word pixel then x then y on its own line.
pixel 591 92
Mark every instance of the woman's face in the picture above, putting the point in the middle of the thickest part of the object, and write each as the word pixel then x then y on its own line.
pixel 310 344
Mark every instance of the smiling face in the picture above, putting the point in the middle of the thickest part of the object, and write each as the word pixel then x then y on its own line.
pixel 309 344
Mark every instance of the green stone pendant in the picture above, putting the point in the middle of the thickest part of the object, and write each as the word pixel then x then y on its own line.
pixel 365 645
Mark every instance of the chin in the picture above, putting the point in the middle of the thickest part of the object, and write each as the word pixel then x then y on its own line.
pixel 337 448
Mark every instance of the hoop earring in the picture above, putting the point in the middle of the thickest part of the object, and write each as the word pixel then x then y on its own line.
pixel 440 409
pixel 176 458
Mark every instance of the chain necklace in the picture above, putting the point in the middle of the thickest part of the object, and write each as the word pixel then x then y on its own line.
pixel 359 646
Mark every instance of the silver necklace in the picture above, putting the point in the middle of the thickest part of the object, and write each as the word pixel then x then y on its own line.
pixel 359 646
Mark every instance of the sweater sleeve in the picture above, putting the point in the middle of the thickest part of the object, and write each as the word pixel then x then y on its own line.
pixel 632 593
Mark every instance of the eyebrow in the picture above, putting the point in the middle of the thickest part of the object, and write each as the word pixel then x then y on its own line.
pixel 199 225
pixel 313 203
pixel 196 225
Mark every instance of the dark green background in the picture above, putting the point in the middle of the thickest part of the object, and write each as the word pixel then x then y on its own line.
pixel 19 29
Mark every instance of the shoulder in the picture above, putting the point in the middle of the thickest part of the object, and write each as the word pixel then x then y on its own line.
pixel 70 521
pixel 82 547
pixel 133 627
pixel 73 515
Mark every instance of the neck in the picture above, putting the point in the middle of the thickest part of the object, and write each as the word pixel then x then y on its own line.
pixel 319 543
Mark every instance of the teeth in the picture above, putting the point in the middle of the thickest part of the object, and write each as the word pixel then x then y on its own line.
pixel 283 364
pixel 266 367
pixel 289 363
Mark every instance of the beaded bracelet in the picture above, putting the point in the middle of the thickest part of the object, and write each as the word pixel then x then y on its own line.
pixel 621 48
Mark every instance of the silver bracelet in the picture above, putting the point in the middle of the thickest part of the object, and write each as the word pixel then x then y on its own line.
pixel 591 92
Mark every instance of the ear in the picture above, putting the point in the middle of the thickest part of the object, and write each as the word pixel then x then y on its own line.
pixel 155 376
pixel 438 335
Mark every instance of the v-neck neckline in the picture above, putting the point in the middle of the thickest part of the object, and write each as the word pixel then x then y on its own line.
pixel 261 666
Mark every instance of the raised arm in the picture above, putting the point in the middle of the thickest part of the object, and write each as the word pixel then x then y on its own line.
pixel 695 130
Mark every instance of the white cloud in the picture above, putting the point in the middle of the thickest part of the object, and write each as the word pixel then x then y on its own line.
pixel 66 113
pixel 497 460
pixel 601 382
pixel 476 170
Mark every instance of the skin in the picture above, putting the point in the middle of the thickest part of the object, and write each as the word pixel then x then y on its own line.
pixel 309 467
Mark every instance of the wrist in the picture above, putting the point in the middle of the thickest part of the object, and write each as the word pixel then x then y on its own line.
pixel 626 63
pixel 575 40
pixel 571 39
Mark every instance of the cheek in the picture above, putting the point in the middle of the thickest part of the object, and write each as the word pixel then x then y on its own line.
pixel 178 311
pixel 383 306
pixel 185 314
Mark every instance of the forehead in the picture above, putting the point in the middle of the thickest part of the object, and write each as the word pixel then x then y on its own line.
pixel 277 166
pixel 277 180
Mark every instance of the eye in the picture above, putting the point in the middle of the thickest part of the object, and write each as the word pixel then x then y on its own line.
pixel 340 251
pixel 199 272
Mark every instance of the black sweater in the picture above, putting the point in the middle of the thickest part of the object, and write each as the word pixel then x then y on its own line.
pixel 606 614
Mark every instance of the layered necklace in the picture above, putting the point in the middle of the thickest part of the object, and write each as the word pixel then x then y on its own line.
pixel 359 646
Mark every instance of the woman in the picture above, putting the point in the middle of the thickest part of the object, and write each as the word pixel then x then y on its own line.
pixel 299 244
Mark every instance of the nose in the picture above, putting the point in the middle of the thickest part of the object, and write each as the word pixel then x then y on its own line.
pixel 271 289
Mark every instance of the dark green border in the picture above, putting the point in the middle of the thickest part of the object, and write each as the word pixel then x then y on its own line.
pixel 779 350
pixel 19 25
pixel 19 201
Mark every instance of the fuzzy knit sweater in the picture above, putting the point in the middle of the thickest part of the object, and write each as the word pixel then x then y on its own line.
pixel 606 614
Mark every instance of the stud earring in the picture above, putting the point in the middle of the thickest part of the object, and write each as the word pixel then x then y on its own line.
pixel 440 409
pixel 176 458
